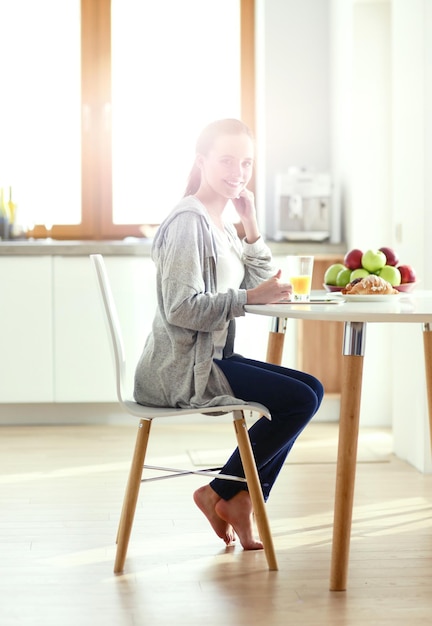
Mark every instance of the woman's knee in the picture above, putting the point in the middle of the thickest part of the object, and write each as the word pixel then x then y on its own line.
pixel 301 409
pixel 312 394
pixel 316 386
pixel 319 390
pixel 312 403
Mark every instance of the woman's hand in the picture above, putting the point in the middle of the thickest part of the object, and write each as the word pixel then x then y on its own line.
pixel 244 204
pixel 272 290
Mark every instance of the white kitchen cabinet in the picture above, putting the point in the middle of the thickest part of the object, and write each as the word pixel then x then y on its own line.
pixel 55 347
pixel 26 363
pixel 83 361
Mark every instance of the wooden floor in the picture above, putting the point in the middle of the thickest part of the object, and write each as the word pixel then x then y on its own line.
pixel 60 498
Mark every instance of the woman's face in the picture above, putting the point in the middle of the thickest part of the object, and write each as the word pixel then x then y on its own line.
pixel 227 168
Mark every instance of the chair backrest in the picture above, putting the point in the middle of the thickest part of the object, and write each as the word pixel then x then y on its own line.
pixel 112 322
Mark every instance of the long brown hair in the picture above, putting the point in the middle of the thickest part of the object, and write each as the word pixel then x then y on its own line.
pixel 204 144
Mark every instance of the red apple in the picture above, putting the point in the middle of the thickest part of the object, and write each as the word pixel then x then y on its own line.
pixel 407 273
pixel 352 259
pixel 391 256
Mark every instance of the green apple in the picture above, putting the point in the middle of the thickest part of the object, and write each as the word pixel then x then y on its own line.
pixel 332 272
pixel 343 277
pixel 358 273
pixel 373 260
pixel 391 274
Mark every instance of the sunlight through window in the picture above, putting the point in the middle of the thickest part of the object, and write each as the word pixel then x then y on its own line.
pixel 40 125
pixel 175 68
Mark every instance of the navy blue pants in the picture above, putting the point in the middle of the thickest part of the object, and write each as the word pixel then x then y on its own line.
pixel 292 397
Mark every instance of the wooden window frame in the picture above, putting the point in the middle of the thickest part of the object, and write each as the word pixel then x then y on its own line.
pixel 96 162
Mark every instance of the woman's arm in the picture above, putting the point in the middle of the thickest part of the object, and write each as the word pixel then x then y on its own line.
pixel 187 274
pixel 245 207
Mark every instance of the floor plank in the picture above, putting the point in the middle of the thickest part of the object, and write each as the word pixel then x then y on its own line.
pixel 60 496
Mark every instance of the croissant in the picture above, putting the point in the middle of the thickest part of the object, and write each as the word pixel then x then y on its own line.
pixel 370 285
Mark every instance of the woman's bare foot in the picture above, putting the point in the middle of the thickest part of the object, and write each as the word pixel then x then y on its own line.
pixel 206 499
pixel 238 513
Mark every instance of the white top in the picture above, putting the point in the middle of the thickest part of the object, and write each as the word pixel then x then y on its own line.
pixel 230 274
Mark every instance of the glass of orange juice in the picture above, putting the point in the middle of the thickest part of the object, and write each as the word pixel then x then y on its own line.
pixel 300 269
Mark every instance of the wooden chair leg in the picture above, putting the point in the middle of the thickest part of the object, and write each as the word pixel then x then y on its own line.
pixel 254 487
pixel 131 494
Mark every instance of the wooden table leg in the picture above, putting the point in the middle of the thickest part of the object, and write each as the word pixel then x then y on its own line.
pixel 352 373
pixel 427 343
pixel 276 341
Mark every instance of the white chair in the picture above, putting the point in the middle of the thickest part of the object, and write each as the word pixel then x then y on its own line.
pixel 148 414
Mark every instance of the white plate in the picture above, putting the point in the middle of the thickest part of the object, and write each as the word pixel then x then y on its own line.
pixel 367 297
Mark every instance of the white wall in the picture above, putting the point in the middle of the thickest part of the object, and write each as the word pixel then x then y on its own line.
pixel 361 120
pixel 369 223
pixel 341 38
pixel 324 91
pixel 427 272
pixel 293 91
pixel 388 190
pixel 409 118
pixel 412 198
pixel 345 85
pixel 369 213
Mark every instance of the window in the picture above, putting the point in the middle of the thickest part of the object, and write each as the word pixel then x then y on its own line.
pixel 40 147
pixel 100 160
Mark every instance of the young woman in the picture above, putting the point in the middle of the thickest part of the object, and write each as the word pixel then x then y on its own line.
pixel 205 276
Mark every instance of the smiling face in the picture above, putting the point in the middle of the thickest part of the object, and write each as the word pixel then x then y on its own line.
pixel 227 168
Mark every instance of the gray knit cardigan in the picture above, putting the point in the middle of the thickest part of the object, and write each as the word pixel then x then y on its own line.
pixel 176 367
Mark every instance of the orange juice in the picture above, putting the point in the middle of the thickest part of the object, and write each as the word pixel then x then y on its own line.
pixel 299 270
pixel 301 285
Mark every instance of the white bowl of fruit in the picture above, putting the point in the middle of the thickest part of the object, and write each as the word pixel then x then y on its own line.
pixel 383 262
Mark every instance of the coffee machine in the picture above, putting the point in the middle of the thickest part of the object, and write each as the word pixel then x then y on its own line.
pixel 303 206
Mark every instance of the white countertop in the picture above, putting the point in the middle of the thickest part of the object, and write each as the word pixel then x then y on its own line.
pixel 132 246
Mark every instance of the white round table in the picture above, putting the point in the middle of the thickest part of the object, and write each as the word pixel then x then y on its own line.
pixel 406 308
